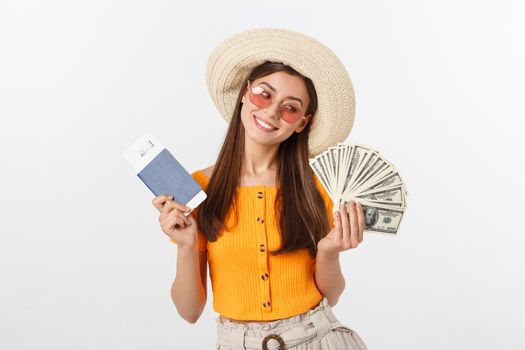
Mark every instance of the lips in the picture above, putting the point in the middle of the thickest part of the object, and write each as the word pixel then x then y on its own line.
pixel 257 117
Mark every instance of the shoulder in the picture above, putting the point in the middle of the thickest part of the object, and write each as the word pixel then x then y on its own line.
pixel 208 171
pixel 202 176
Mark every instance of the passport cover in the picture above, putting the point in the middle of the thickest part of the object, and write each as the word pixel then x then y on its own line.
pixel 160 171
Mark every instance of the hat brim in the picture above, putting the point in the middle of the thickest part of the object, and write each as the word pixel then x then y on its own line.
pixel 232 61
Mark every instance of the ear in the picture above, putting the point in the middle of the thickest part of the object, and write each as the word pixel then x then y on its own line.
pixel 303 123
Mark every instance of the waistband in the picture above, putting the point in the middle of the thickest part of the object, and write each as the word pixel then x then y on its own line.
pixel 273 335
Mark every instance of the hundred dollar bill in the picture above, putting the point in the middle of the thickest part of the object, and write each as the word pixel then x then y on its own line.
pixel 381 219
pixel 357 172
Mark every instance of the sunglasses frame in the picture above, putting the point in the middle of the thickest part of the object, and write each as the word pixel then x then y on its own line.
pixel 250 91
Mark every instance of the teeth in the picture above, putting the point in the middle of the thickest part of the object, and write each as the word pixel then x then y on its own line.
pixel 264 124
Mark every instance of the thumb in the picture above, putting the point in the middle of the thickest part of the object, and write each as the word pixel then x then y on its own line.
pixel 191 217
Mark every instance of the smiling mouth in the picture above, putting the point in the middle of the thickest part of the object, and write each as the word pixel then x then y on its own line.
pixel 263 125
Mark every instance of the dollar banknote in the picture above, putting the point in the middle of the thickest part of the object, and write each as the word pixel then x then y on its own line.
pixel 359 173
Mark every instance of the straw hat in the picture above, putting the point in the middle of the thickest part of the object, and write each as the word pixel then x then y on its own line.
pixel 233 59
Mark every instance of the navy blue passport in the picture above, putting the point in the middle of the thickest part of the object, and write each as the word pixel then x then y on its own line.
pixel 160 171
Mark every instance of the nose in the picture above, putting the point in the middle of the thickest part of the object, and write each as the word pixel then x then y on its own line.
pixel 273 110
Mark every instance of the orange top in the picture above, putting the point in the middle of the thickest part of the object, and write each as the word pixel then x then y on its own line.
pixel 247 282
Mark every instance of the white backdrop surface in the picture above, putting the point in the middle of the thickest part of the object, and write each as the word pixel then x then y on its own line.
pixel 83 262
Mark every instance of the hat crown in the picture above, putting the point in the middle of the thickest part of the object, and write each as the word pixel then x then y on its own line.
pixel 234 58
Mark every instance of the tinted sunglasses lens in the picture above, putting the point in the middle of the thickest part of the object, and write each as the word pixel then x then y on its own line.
pixel 291 116
pixel 258 99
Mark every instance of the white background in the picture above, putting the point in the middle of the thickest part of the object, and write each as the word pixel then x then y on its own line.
pixel 439 92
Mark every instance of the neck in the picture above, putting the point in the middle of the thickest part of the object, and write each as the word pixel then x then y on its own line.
pixel 259 159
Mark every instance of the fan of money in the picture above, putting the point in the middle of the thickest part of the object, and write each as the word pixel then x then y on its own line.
pixel 357 172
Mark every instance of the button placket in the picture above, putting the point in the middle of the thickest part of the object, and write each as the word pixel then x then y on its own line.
pixel 264 275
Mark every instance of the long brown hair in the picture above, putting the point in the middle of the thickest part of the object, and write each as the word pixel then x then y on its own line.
pixel 303 219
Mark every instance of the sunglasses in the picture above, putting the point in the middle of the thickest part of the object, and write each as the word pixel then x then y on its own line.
pixel 262 99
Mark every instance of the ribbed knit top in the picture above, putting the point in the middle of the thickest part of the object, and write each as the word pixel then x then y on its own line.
pixel 247 282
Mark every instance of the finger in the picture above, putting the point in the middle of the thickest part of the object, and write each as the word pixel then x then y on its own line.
pixel 183 208
pixel 158 202
pixel 337 227
pixel 159 198
pixel 169 205
pixel 360 220
pixel 166 208
pixel 175 218
pixel 187 212
pixel 184 218
pixel 354 237
pixel 345 236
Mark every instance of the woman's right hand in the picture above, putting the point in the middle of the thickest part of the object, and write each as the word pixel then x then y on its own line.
pixel 179 227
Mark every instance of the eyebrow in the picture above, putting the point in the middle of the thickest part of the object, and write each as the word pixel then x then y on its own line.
pixel 290 97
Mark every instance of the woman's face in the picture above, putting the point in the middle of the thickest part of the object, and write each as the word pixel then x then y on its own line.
pixel 285 86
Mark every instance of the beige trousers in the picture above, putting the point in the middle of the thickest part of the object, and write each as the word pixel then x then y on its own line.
pixel 316 329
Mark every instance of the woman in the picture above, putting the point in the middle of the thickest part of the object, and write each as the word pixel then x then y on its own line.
pixel 268 228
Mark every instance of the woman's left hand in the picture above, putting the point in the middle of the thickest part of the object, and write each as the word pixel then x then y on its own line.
pixel 347 232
